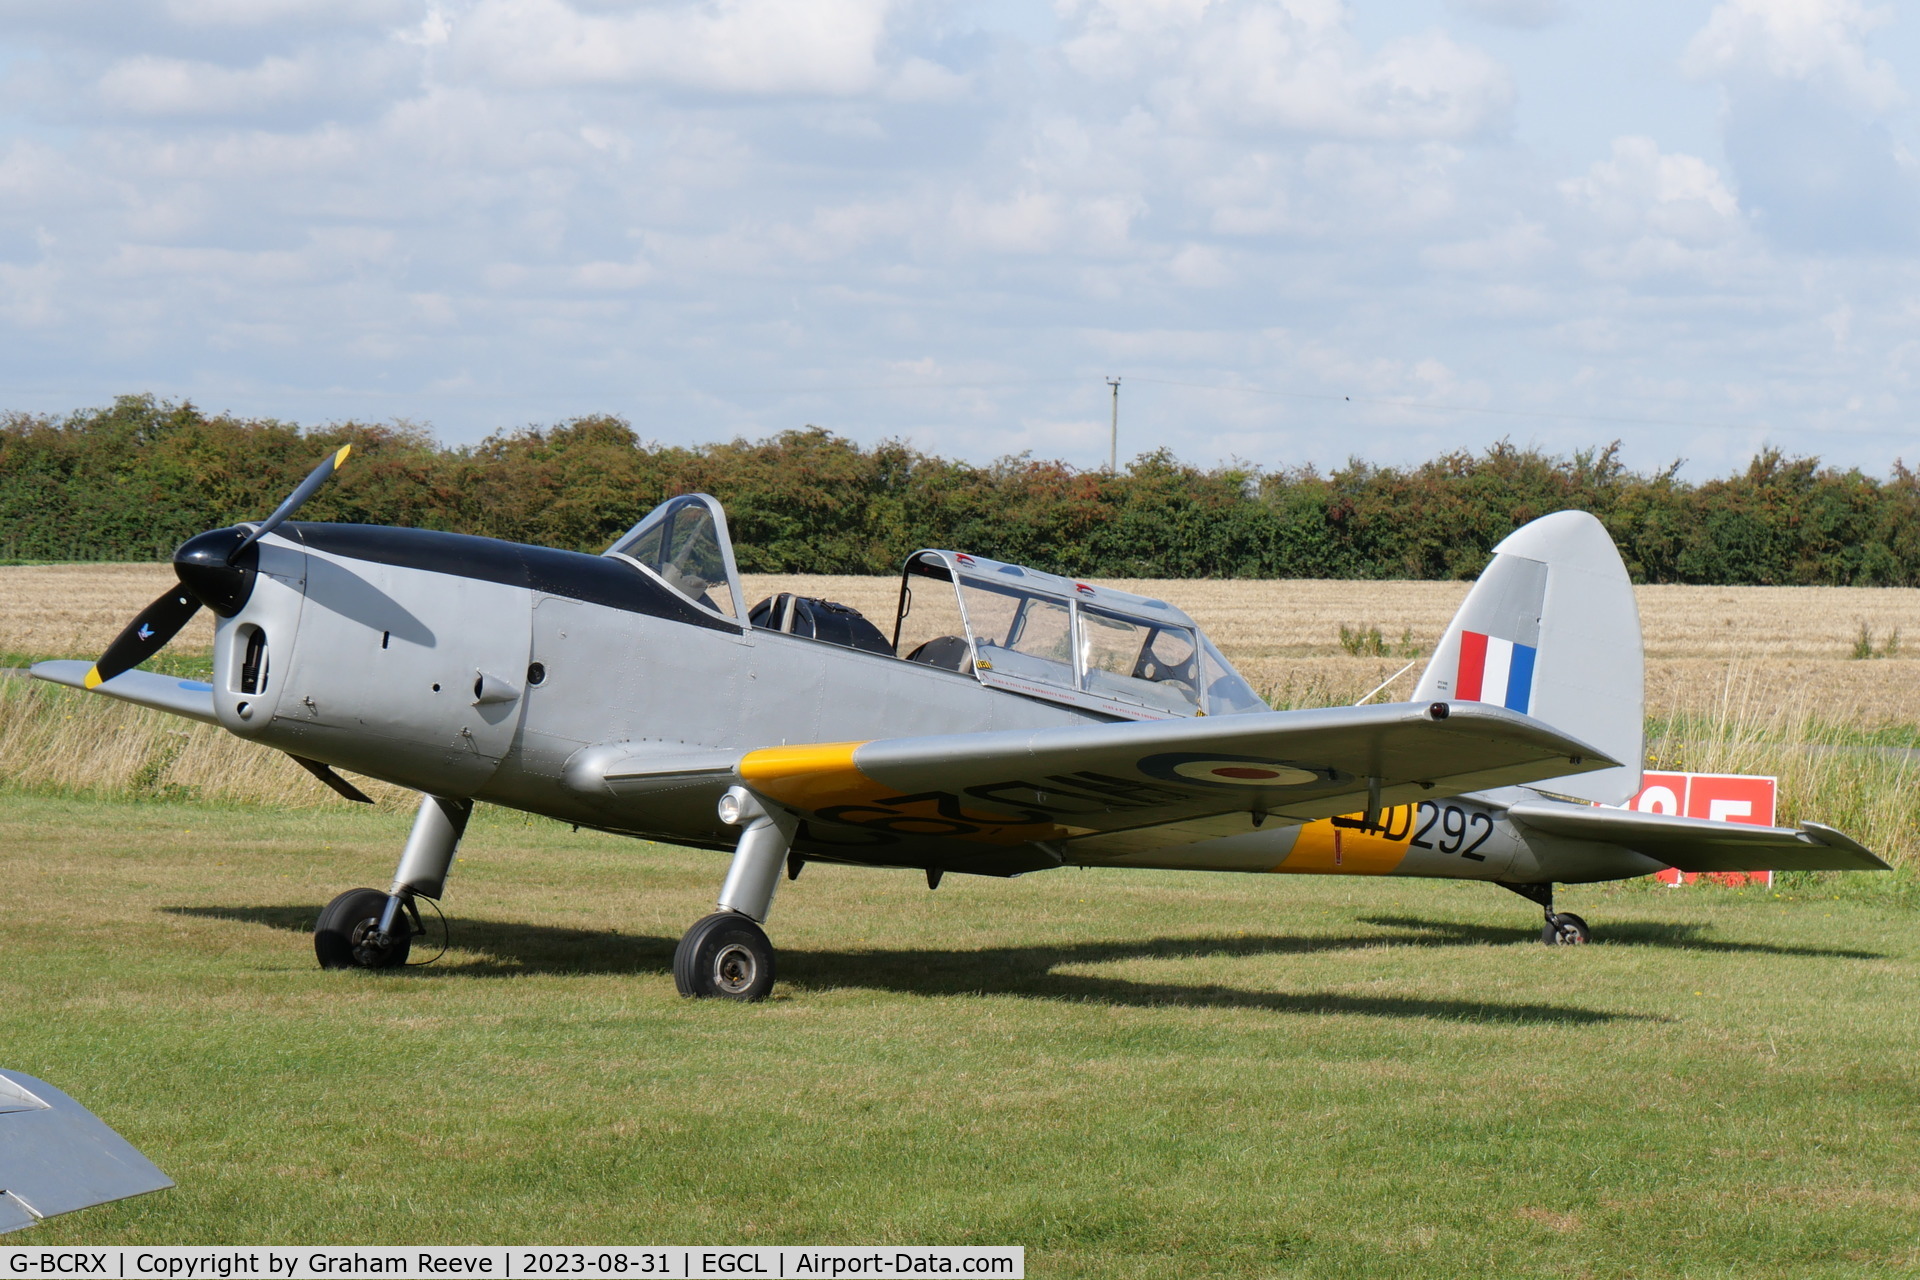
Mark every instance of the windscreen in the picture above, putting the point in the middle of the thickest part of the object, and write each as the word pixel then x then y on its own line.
pixel 1227 693
pixel 1139 661
pixel 682 543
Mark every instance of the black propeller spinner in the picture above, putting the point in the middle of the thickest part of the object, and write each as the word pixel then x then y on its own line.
pixel 216 569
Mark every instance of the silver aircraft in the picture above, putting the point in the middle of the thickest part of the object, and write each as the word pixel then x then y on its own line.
pixel 1007 721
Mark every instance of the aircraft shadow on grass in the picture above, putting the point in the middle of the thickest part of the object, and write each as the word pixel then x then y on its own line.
pixel 1680 937
pixel 1030 972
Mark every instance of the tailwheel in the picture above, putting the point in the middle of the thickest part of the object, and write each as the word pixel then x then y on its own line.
pixel 724 955
pixel 347 934
pixel 1565 929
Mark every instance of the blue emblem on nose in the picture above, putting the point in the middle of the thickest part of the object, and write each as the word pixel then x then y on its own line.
pixel 145 632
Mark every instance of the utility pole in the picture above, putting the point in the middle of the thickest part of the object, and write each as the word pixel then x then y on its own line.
pixel 1113 444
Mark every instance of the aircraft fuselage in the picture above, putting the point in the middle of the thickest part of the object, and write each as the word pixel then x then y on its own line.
pixel 579 688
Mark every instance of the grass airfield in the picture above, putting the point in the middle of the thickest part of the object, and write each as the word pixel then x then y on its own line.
pixel 1130 1073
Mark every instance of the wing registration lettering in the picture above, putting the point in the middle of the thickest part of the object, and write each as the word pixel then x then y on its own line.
pixel 1349 845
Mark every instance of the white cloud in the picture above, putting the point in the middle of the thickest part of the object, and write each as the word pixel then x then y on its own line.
pixel 262 13
pixel 1292 68
pixel 1525 14
pixel 731 46
pixel 1200 266
pixel 1817 42
pixel 1808 122
pixel 1643 190
pixel 172 86
pixel 1512 248
pixel 1646 213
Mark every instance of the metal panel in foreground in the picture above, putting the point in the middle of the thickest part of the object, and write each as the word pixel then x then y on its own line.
pixel 56 1156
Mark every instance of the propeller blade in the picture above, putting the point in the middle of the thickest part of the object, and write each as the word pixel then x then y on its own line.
pixel 145 636
pixel 308 487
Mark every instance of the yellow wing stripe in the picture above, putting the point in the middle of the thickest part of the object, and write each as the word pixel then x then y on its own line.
pixel 810 777
pixel 822 779
pixel 1350 849
pixel 340 458
pixel 93 680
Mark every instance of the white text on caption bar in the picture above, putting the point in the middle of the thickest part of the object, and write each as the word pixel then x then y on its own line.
pixel 492 1262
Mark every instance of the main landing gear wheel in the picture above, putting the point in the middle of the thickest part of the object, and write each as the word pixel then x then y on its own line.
pixel 346 935
pixel 1565 930
pixel 725 955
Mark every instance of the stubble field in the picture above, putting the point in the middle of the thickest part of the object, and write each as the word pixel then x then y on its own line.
pixel 1131 1073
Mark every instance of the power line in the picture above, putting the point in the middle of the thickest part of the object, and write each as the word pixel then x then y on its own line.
pixel 915 386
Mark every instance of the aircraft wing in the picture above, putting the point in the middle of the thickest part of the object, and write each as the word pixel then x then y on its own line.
pixel 1009 787
pixel 190 698
pixel 56 1156
pixel 1695 844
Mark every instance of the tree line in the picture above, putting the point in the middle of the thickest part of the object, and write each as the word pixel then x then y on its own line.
pixel 131 481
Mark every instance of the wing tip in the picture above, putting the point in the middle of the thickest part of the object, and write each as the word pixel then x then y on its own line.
pixel 1833 838
pixel 69 673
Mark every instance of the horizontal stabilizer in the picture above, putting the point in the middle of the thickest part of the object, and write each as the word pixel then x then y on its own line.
pixel 56 1156
pixel 1696 844
pixel 190 698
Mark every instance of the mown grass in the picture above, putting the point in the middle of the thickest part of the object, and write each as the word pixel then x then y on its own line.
pixel 1131 1073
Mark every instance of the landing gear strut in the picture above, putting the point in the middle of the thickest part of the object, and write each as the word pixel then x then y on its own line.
pixel 727 954
pixel 368 929
pixel 1562 928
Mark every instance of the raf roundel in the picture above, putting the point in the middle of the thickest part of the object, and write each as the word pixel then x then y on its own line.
pixel 1232 771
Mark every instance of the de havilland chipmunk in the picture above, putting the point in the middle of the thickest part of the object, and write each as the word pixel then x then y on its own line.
pixel 1013 721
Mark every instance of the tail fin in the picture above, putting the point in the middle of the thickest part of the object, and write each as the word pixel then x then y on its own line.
pixel 1552 630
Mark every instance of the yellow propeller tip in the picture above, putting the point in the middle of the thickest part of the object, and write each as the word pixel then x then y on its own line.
pixel 93 680
pixel 341 457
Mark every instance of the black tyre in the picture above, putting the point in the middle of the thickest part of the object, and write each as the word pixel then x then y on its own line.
pixel 341 934
pixel 726 956
pixel 1565 930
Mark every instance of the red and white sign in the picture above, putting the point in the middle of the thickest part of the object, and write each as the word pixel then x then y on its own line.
pixel 1717 797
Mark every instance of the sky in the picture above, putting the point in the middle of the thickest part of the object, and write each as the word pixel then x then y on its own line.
pixel 1297 232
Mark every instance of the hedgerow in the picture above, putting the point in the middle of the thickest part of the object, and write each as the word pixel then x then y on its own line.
pixel 133 480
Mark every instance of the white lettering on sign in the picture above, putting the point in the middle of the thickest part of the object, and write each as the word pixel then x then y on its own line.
pixel 1657 799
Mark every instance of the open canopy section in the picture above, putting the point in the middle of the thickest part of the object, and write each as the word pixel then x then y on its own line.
pixel 684 543
pixel 1069 641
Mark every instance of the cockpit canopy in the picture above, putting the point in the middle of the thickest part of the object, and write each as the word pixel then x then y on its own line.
pixel 684 542
pixel 1004 625
pixel 1067 641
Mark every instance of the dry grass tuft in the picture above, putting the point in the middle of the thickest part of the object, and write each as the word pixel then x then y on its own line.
pixel 59 740
pixel 1830 771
